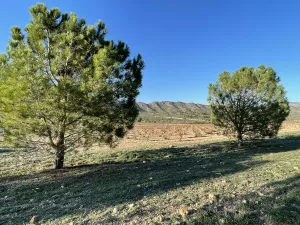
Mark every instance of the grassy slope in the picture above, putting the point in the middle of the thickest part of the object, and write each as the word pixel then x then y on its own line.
pixel 212 183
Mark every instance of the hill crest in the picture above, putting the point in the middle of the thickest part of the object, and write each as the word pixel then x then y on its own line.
pixel 181 112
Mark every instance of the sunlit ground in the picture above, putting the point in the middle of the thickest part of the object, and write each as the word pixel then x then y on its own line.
pixel 192 183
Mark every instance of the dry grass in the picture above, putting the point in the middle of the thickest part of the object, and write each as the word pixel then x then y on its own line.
pixel 203 181
pixel 178 134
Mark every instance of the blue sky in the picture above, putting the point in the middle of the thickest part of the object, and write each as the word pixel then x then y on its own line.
pixel 187 44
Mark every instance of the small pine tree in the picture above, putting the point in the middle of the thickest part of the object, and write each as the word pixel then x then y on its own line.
pixel 63 86
pixel 249 104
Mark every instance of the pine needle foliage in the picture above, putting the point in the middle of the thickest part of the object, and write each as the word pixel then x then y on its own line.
pixel 249 104
pixel 64 86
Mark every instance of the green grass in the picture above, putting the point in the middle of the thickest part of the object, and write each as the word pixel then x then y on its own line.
pixel 173 118
pixel 213 183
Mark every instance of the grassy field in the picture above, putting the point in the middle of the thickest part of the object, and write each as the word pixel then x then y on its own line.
pixel 173 118
pixel 204 181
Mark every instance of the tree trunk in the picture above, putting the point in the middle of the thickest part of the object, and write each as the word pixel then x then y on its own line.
pixel 240 139
pixel 59 162
pixel 60 152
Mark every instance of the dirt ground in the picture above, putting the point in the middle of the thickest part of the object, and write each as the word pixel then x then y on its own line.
pixel 154 133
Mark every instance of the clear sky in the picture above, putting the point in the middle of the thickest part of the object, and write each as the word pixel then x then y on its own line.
pixel 186 44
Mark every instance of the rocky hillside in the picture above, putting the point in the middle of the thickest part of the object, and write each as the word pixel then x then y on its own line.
pixel 173 112
pixel 295 111
pixel 172 107
pixel 180 112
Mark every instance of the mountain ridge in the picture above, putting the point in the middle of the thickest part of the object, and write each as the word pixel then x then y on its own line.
pixel 167 106
pixel 174 112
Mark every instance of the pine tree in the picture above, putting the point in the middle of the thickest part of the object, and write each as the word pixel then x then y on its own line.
pixel 64 86
pixel 250 103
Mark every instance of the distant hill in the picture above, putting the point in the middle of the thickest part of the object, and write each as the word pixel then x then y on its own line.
pixel 172 107
pixel 181 112
pixel 173 112
pixel 295 111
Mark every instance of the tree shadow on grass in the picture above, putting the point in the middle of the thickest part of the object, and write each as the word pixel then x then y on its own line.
pixel 78 190
pixel 277 203
pixel 5 150
pixel 284 203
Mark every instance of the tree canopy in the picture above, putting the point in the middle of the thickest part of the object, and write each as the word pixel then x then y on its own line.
pixel 64 86
pixel 251 103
